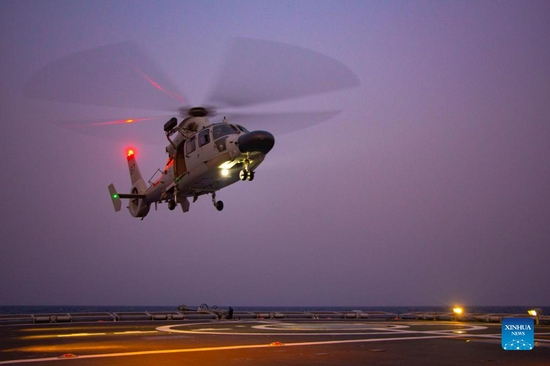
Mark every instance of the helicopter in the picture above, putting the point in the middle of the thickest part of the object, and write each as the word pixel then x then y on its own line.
pixel 203 157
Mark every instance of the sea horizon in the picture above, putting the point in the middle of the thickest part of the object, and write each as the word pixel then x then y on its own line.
pixel 52 309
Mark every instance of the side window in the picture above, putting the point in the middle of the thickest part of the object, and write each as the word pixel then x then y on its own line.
pixel 204 137
pixel 190 145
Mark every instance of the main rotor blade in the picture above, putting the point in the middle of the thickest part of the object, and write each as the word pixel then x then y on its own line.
pixel 280 123
pixel 115 75
pixel 258 71
pixel 135 130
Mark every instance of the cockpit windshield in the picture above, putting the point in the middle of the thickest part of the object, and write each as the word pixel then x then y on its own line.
pixel 223 130
pixel 242 128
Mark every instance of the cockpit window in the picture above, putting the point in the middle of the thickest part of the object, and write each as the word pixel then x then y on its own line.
pixel 204 137
pixel 223 130
pixel 242 128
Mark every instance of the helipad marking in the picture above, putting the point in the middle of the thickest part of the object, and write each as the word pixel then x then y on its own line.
pixel 79 335
pixel 223 348
pixel 326 326
pixel 210 329
pixel 195 331
pixel 296 329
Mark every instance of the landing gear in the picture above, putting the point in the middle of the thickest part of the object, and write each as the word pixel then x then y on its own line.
pixel 173 202
pixel 217 204
pixel 246 175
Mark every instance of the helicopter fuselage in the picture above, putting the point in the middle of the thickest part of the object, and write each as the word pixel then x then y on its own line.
pixel 202 159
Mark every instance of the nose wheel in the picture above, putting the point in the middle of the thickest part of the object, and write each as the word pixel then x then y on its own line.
pixel 246 175
pixel 217 204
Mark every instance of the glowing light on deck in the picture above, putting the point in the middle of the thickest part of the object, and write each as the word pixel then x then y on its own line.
pixel 458 310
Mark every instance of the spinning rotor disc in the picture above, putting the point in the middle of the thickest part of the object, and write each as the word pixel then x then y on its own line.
pixel 254 72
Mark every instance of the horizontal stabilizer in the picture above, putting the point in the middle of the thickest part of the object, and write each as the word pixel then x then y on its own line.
pixel 115 196
pixel 129 195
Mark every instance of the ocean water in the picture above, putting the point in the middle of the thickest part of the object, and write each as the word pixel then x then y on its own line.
pixel 54 309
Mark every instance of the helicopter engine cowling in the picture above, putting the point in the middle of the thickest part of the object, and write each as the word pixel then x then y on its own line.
pixel 137 207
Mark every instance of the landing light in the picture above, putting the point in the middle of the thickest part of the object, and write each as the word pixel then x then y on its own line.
pixel 228 164
pixel 225 172
pixel 458 310
pixel 532 312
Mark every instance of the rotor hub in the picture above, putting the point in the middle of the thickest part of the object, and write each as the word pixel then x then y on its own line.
pixel 197 112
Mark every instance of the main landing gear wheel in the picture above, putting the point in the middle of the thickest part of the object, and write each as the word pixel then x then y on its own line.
pixel 246 175
pixel 217 204
pixel 171 205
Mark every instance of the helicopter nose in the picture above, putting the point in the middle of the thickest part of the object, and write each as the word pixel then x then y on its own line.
pixel 256 141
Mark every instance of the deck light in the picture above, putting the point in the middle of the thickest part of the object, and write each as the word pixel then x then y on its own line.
pixel 458 310
pixel 536 312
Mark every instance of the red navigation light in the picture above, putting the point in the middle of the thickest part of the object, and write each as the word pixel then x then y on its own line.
pixel 130 153
pixel 130 120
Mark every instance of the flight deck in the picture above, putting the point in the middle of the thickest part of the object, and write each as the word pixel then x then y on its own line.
pixel 277 338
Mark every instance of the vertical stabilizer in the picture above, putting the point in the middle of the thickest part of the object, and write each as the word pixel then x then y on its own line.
pixel 135 174
pixel 138 207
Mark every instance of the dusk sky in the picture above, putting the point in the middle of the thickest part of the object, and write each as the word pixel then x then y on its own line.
pixel 430 187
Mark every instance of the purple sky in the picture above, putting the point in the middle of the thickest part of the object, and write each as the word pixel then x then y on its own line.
pixel 430 188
